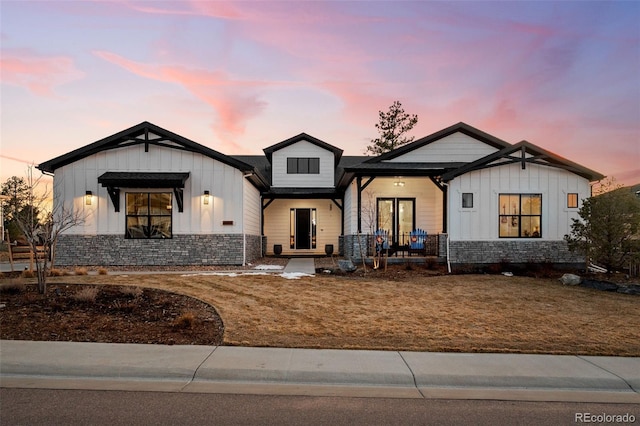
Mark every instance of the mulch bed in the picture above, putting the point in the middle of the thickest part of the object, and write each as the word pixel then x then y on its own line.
pixel 110 314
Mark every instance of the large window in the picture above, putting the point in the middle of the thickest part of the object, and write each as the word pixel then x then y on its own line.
pixel 397 216
pixel 296 165
pixel 520 215
pixel 148 215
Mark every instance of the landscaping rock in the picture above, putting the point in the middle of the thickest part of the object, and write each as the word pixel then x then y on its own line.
pixel 346 265
pixel 570 279
pixel 629 289
pixel 599 285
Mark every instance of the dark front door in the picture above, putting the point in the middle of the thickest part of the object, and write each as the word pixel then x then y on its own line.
pixel 303 229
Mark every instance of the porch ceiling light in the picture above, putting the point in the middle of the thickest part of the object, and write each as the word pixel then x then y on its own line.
pixel 205 197
pixel 88 197
pixel 398 183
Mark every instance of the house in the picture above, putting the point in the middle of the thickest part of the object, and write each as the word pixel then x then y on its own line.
pixel 152 197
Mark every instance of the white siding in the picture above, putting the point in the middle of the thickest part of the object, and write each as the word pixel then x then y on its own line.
pixel 457 147
pixel 225 183
pixel 303 149
pixel 251 209
pixel 277 224
pixel 481 222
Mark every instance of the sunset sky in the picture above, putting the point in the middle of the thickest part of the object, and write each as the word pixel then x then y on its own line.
pixel 241 76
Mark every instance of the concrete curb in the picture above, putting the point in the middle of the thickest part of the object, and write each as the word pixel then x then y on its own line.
pixel 72 365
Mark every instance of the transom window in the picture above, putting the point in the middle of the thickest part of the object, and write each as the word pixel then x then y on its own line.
pixel 520 215
pixel 303 165
pixel 149 214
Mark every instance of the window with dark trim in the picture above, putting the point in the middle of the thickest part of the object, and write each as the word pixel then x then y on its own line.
pixel 572 200
pixel 303 165
pixel 520 215
pixel 148 215
pixel 467 200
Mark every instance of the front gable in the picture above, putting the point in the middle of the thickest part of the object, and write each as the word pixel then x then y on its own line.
pixel 303 162
pixel 459 143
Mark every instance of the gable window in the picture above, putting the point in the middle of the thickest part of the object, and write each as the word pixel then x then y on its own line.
pixel 303 165
pixel 520 215
pixel 467 200
pixel 148 214
pixel 572 200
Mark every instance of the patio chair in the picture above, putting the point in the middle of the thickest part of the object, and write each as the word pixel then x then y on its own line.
pixel 381 238
pixel 417 241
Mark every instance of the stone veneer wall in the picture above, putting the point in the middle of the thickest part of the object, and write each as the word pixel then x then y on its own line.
pixel 487 252
pixel 115 250
pixel 513 251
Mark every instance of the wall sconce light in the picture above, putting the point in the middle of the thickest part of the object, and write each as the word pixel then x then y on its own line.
pixel 88 196
pixel 205 196
pixel 398 183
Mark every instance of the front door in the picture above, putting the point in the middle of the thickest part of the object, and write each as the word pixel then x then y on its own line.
pixel 303 229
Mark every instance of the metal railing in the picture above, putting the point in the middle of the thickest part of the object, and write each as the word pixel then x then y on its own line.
pixel 400 245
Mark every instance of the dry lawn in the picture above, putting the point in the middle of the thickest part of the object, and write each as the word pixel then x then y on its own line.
pixel 467 313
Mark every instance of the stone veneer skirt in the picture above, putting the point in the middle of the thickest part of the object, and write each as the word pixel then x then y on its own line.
pixel 115 250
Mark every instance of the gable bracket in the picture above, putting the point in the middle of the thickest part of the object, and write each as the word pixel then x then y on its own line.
pixel 264 206
pixel 146 139
pixel 337 203
pixel 179 193
pixel 364 186
pixel 437 182
pixel 523 157
pixel 114 194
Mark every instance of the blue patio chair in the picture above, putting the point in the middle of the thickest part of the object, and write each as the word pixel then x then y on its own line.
pixel 381 238
pixel 417 241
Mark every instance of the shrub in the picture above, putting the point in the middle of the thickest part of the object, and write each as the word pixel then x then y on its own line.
pixel 58 272
pixel 28 274
pixel 12 288
pixel 102 271
pixel 186 320
pixel 131 291
pixel 81 271
pixel 86 294
pixel 431 263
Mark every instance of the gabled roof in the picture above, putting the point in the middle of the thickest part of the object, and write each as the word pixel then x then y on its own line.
pixel 147 134
pixel 525 153
pixel 337 152
pixel 459 127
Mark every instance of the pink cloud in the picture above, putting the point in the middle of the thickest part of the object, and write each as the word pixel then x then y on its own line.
pixel 39 74
pixel 234 101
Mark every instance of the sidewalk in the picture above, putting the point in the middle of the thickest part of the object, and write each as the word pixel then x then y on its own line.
pixel 225 369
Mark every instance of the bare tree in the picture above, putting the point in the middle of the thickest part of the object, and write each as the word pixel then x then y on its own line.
pixel 42 225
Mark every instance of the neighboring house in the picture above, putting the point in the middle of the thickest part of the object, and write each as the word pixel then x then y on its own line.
pixel 152 197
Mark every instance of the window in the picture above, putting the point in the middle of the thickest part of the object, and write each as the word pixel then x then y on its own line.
pixel 148 215
pixel 303 166
pixel 520 215
pixel 397 215
pixel 467 200
pixel 572 200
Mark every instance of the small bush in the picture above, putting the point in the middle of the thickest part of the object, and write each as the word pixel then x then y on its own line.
pixel 131 291
pixel 186 320
pixel 58 272
pixel 431 263
pixel 28 274
pixel 81 271
pixel 12 288
pixel 87 294
pixel 102 271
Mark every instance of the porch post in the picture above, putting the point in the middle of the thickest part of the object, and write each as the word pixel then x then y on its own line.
pixel 445 203
pixel 359 187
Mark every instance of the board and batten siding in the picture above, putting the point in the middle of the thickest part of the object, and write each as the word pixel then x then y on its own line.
pixel 277 222
pixel 428 202
pixel 251 209
pixel 225 184
pixel 303 149
pixel 457 147
pixel 481 222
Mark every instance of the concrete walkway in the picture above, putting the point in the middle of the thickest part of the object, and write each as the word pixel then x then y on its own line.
pixel 302 265
pixel 106 366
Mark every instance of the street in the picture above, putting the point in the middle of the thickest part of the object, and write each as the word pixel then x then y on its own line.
pixel 75 407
